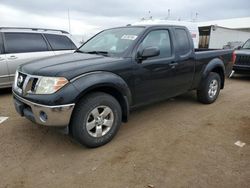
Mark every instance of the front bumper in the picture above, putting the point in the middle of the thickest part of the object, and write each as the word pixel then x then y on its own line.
pixel 44 115
pixel 241 68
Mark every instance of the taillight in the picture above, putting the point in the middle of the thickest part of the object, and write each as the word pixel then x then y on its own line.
pixel 233 57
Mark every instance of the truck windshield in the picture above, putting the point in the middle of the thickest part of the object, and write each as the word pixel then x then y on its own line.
pixel 246 45
pixel 112 42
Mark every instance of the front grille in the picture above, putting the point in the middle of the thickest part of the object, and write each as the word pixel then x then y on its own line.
pixel 21 79
pixel 33 86
pixel 242 60
pixel 25 83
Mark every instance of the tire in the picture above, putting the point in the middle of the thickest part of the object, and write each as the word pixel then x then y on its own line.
pixel 209 89
pixel 96 119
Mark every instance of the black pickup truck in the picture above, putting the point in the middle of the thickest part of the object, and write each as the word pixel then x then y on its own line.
pixel 93 90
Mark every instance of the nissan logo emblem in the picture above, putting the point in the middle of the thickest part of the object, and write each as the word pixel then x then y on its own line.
pixel 19 80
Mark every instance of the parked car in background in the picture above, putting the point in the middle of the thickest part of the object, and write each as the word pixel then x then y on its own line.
pixel 93 90
pixel 242 59
pixel 233 45
pixel 21 45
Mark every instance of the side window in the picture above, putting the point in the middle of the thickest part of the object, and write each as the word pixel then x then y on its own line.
pixel 60 42
pixel 182 41
pixel 24 42
pixel 160 39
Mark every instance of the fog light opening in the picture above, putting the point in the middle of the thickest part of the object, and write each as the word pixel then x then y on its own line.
pixel 43 116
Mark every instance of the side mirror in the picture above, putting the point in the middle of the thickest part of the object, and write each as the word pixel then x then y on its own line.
pixel 148 52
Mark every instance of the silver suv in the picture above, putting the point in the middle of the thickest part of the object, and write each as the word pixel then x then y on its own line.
pixel 21 45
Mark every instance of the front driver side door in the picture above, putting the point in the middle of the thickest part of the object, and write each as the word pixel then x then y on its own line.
pixel 154 76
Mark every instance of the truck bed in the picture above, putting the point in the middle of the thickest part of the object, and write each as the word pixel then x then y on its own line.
pixel 211 53
pixel 206 55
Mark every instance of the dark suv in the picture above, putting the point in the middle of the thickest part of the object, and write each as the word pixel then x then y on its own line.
pixel 242 63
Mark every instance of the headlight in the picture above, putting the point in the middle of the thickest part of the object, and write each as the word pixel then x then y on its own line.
pixel 49 85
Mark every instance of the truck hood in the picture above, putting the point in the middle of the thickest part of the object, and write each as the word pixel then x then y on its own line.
pixel 66 65
pixel 242 52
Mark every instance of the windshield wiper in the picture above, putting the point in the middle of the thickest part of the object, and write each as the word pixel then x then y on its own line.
pixel 80 51
pixel 104 53
pixel 98 52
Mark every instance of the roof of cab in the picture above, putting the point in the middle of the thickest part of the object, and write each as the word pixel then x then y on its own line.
pixel 174 23
pixel 156 25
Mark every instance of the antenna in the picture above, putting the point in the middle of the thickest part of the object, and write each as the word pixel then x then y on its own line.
pixel 196 16
pixel 168 14
pixel 69 21
pixel 150 16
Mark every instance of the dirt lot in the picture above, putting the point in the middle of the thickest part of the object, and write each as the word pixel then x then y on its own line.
pixel 176 143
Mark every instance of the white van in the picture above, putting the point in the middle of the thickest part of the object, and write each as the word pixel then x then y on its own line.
pixel 192 27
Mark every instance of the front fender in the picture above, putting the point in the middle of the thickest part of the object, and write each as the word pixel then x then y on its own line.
pixel 89 81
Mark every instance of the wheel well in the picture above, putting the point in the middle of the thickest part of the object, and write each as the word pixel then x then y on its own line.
pixel 116 94
pixel 220 71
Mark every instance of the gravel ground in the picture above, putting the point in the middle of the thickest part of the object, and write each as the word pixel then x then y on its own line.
pixel 175 143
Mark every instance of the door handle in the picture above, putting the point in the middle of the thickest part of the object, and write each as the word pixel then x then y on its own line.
pixel 173 64
pixel 12 57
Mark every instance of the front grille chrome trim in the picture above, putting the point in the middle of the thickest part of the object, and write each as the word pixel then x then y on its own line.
pixel 27 85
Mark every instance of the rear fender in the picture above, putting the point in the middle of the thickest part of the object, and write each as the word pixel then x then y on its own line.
pixel 215 65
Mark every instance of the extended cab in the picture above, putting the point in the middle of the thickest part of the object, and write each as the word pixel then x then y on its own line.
pixel 93 90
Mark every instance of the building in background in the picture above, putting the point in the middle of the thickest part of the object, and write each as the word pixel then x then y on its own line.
pixel 227 33
pixel 191 26
pixel 216 34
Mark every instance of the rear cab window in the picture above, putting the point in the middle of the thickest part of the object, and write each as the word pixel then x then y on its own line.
pixel 60 42
pixel 182 41
pixel 24 42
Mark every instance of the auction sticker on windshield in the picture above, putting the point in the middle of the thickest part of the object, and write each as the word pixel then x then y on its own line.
pixel 129 37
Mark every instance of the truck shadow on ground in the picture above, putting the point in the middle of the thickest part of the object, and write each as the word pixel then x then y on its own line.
pixel 5 91
pixel 189 97
pixel 51 135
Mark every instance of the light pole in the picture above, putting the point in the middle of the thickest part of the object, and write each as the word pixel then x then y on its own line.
pixel 69 21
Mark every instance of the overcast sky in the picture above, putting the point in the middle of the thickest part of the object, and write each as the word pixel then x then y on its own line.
pixel 90 16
